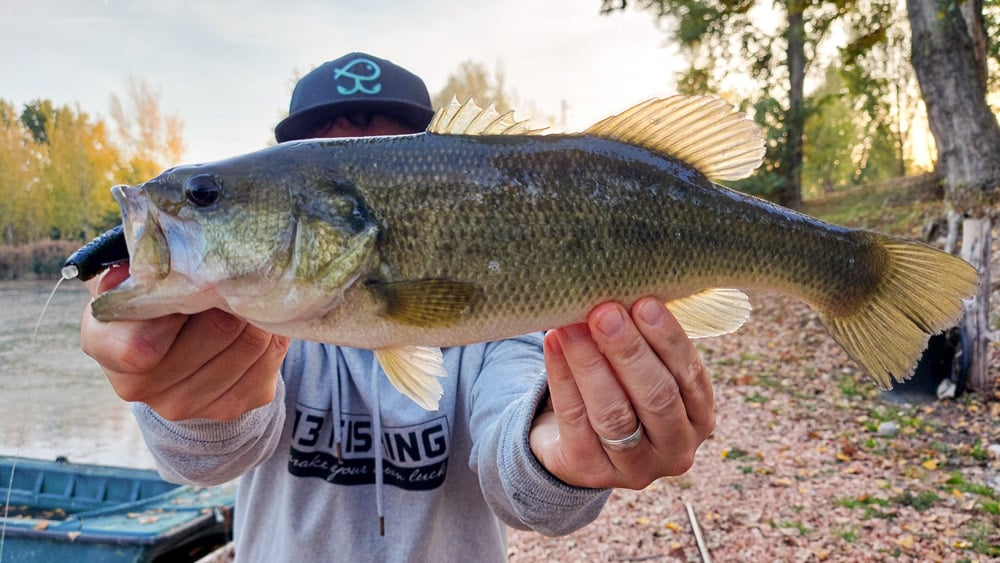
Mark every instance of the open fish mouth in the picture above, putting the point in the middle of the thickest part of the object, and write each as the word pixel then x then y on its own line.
pixel 149 253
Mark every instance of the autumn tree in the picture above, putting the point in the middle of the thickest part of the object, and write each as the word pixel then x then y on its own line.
pixel 473 81
pixel 20 220
pixel 148 138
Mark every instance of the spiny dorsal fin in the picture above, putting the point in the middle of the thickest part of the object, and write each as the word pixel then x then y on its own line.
pixel 427 303
pixel 712 312
pixel 705 132
pixel 414 372
pixel 470 119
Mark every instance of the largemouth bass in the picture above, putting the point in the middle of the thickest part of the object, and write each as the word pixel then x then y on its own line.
pixel 479 230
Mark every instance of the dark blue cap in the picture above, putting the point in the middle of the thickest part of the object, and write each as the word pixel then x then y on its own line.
pixel 355 82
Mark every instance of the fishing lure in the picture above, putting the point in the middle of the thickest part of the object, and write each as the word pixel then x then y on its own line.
pixel 95 256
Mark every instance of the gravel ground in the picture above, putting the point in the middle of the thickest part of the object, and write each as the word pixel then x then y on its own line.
pixel 797 471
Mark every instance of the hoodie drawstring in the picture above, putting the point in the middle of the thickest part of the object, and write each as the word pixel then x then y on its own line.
pixel 337 431
pixel 377 427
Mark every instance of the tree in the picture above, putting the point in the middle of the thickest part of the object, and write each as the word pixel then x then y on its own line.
pixel 472 80
pixel 730 44
pixel 20 219
pixel 147 137
pixel 949 53
pixel 949 57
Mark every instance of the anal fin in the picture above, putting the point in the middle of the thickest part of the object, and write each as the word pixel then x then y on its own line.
pixel 711 312
pixel 414 372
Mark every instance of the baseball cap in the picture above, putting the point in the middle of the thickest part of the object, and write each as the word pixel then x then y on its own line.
pixel 355 82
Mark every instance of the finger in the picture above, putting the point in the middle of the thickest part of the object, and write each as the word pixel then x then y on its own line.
pixel 205 336
pixel 609 409
pixel 562 437
pixel 257 386
pixel 647 381
pixel 668 340
pixel 112 277
pixel 199 394
pixel 128 346
pixel 567 402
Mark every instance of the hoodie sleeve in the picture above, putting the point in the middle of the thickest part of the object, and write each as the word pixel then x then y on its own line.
pixel 206 452
pixel 505 397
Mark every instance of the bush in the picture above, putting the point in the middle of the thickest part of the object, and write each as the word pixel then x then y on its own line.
pixel 40 260
pixel 14 262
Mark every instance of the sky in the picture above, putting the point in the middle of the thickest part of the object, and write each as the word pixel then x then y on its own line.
pixel 226 67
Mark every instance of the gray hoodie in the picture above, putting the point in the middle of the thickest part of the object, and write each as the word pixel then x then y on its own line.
pixel 447 481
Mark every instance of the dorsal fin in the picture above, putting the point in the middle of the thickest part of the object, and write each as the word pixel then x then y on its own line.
pixel 705 132
pixel 470 119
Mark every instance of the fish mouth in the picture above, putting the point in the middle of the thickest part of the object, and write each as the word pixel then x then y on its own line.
pixel 149 254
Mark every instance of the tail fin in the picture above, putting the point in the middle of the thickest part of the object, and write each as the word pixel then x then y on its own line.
pixel 921 295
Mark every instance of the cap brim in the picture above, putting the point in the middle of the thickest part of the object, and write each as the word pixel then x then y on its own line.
pixel 302 123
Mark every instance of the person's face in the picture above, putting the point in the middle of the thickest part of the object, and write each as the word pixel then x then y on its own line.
pixel 379 125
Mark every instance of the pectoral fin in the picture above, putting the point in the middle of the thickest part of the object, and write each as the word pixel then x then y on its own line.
pixel 413 371
pixel 712 312
pixel 428 303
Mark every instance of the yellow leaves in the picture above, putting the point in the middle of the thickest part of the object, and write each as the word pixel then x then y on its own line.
pixel 907 542
pixel 930 465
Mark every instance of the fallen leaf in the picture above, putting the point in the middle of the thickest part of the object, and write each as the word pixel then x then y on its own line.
pixel 906 542
pixel 672 526
pixel 930 465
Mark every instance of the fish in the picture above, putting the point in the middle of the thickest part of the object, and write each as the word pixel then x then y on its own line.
pixel 481 228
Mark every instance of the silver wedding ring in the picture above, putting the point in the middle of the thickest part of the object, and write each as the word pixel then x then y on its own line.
pixel 626 443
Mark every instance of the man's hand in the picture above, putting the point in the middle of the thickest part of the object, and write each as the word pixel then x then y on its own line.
pixel 208 365
pixel 607 376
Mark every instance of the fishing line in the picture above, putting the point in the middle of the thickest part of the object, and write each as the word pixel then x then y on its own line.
pixel 38 323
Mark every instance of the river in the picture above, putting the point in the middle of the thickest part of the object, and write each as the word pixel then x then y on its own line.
pixel 54 399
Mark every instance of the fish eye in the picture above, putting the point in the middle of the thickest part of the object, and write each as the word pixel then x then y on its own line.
pixel 202 190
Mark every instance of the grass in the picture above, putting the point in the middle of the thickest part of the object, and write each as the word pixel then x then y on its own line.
pixel 901 206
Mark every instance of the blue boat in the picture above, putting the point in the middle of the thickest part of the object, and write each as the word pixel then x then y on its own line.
pixel 61 511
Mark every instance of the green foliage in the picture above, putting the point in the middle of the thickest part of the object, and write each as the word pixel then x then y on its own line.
pixel 57 164
pixel 842 148
pixel 37 116
pixel 855 126
pixel 991 20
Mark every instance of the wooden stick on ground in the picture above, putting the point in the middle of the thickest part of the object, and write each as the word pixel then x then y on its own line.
pixel 702 548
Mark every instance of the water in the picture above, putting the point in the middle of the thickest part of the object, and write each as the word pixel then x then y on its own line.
pixel 54 399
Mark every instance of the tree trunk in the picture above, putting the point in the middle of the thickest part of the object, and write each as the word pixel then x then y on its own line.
pixel 791 193
pixel 948 52
pixel 965 130
pixel 976 325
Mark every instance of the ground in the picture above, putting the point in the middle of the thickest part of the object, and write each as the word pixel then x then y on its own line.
pixel 796 469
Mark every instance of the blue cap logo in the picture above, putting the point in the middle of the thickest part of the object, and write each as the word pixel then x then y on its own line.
pixel 363 72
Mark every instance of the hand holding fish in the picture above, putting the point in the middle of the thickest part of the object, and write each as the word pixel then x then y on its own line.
pixel 608 376
pixel 209 365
